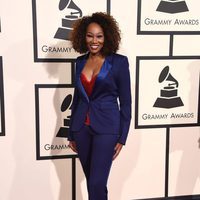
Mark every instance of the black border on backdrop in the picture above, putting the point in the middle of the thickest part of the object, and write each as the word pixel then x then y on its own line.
pixel 138 58
pixel 35 36
pixel 183 197
pixel 37 87
pixel 140 32
pixel 2 132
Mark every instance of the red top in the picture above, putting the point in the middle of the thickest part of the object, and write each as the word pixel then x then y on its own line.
pixel 88 86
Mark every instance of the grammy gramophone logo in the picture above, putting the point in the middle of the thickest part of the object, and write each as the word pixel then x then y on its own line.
pixel 172 6
pixel 168 94
pixel 74 13
pixel 63 131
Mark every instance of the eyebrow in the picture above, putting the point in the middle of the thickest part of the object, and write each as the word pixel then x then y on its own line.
pixel 97 33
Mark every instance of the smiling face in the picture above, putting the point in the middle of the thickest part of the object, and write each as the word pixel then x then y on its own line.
pixel 94 38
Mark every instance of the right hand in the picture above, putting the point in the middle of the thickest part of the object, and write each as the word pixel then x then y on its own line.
pixel 72 145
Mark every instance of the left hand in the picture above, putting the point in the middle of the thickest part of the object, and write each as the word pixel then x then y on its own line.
pixel 118 148
pixel 72 145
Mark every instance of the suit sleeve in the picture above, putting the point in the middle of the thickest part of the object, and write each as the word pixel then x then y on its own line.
pixel 124 88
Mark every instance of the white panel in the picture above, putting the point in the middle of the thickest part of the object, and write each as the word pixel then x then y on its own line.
pixel 166 91
pixel 53 44
pixel 139 171
pixel 52 121
pixel 184 161
pixel 162 15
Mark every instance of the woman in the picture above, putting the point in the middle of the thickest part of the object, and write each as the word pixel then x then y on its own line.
pixel 99 126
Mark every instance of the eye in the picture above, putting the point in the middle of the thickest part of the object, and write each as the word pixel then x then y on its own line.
pixel 89 35
pixel 99 36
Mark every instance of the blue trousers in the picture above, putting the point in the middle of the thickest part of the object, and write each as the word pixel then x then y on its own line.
pixel 95 152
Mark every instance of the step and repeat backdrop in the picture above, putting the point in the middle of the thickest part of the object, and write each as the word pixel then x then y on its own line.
pixel 161 159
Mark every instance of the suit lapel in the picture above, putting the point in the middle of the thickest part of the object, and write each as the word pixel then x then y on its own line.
pixel 79 68
pixel 107 65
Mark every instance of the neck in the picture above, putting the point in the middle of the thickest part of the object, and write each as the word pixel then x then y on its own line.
pixel 96 56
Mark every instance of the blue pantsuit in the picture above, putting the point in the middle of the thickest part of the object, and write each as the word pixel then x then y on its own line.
pixel 109 111
pixel 95 152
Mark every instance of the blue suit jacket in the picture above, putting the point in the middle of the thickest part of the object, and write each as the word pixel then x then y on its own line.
pixel 109 105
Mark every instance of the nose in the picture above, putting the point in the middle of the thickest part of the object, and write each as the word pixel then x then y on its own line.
pixel 94 39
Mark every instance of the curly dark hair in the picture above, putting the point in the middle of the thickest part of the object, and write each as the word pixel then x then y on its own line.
pixel 110 29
